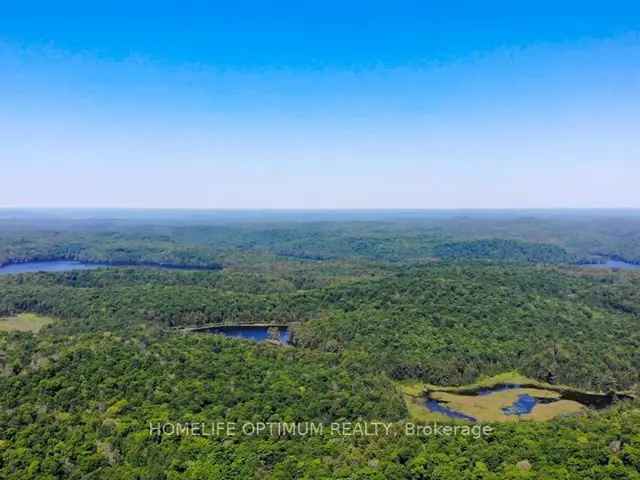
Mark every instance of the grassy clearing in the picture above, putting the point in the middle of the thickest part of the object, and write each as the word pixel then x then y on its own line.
pixel 549 411
pixel 411 387
pixel 24 322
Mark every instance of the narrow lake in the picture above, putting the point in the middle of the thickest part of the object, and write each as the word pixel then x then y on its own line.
pixel 613 264
pixel 68 265
pixel 51 266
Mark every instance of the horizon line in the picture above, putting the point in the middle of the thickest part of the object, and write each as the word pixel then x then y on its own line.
pixel 296 209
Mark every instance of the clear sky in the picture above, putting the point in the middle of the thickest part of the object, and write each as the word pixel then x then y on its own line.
pixel 323 104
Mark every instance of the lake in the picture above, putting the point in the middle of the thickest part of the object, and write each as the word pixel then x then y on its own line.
pixel 613 264
pixel 68 265
pixel 51 266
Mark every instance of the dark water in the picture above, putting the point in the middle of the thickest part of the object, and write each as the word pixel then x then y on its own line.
pixel 438 407
pixel 258 334
pixel 613 264
pixel 523 405
pixel 52 266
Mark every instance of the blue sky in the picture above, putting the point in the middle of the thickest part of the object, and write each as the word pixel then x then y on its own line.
pixel 320 104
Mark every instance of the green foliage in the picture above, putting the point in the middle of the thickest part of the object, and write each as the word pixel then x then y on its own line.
pixel 94 395
pixel 503 251
pixel 86 411
pixel 517 236
pixel 444 324
pixel 368 306
pixel 450 324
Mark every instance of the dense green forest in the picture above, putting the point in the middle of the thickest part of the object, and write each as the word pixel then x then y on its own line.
pixel 81 405
pixel 503 250
pixel 211 240
pixel 443 301
pixel 441 323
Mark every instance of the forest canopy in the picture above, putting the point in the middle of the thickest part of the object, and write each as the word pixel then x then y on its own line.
pixel 370 306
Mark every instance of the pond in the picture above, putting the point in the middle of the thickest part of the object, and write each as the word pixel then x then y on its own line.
pixel 49 266
pixel 257 333
pixel 523 405
pixel 438 407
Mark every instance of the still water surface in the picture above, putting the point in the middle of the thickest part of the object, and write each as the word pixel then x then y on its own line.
pixel 613 264
pixel 52 266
